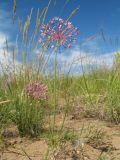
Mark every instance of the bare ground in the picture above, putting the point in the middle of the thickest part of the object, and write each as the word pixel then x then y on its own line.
pixel 88 146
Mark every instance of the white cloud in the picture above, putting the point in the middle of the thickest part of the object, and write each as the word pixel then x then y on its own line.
pixel 7 65
pixel 77 58
pixel 89 59
pixel 6 60
pixel 3 38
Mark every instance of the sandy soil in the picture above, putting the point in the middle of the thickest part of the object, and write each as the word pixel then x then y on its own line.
pixel 25 149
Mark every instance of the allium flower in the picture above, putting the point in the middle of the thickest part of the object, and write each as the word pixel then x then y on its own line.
pixel 37 90
pixel 58 31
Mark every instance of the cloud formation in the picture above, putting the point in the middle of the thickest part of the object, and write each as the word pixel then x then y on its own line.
pixel 6 60
pixel 77 59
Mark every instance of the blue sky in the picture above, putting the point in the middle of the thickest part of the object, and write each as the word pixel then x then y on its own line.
pixel 93 17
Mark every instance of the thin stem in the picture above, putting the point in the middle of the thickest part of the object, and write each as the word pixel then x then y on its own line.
pixel 55 95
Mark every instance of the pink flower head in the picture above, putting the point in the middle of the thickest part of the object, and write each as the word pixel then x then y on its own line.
pixel 58 31
pixel 37 90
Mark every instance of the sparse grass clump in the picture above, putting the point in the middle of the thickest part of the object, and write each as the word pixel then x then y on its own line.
pixel 29 115
pixel 29 106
